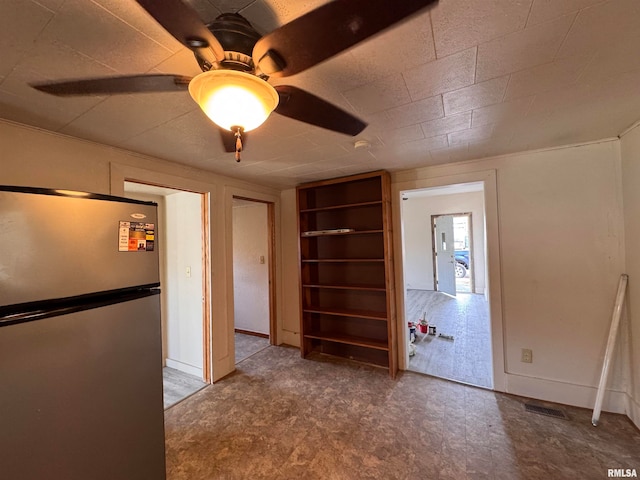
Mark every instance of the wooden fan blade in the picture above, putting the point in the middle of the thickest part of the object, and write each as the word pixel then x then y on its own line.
pixel 306 107
pixel 229 140
pixel 183 22
pixel 114 85
pixel 327 31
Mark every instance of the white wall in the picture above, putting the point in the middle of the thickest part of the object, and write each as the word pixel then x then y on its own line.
pixel 630 151
pixel 250 277
pixel 34 157
pixel 184 300
pixel 561 254
pixel 418 241
pixel 290 269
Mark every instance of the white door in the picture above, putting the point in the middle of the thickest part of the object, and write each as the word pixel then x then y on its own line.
pixel 445 255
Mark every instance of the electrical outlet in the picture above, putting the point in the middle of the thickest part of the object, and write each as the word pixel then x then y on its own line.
pixel 527 355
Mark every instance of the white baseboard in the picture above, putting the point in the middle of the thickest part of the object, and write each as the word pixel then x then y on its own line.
pixel 633 410
pixel 289 338
pixel 184 367
pixel 566 393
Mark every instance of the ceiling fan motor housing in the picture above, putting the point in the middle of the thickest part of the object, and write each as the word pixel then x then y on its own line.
pixel 237 37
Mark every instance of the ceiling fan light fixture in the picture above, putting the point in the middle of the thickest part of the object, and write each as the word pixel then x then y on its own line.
pixel 234 99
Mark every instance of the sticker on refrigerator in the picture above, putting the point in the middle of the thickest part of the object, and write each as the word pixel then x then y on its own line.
pixel 136 237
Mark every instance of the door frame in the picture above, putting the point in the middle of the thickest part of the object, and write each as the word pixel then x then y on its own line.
pixel 428 179
pixel 121 174
pixel 271 253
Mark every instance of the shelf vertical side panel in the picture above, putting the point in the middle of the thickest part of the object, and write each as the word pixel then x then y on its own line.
pixel 302 202
pixel 389 273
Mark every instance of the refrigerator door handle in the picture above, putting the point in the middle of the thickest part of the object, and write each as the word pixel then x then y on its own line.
pixel 32 311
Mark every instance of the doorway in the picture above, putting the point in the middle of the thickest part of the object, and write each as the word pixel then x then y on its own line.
pixel 182 249
pixel 444 265
pixel 253 273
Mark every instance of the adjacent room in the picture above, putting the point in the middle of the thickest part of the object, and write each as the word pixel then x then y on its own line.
pixel 414 258
pixel 444 264
pixel 251 277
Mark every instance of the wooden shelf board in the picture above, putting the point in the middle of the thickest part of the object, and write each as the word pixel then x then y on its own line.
pixel 349 340
pixel 342 260
pixel 382 316
pixel 369 288
pixel 337 207
pixel 339 234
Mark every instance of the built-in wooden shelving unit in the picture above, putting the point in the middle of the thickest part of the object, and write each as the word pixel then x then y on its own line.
pixel 346 269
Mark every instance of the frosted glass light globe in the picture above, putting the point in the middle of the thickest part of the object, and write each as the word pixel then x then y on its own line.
pixel 234 99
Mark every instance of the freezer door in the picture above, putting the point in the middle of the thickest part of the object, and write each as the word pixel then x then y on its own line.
pixel 55 246
pixel 82 395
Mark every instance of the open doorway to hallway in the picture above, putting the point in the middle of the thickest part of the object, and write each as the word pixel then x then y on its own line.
pixel 182 247
pixel 456 343
pixel 252 276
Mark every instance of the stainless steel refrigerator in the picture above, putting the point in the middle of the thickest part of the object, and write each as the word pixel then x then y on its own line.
pixel 80 337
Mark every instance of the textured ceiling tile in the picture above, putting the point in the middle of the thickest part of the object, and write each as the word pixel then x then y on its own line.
pixel 455 153
pixel 408 44
pixel 377 122
pixel 460 24
pixel 402 135
pixel 416 112
pixel 406 151
pixel 523 49
pixel 39 107
pixel 180 63
pixel 285 10
pixel 614 59
pixel 381 95
pixel 198 139
pixel 21 21
pixel 342 72
pixel 502 113
pixel 12 108
pixel 475 96
pixel 442 75
pixel 84 26
pixel 470 135
pixel 557 74
pixel 601 25
pixel 449 124
pixel 57 61
pixel 544 10
pixel 132 14
pixel 53 5
pixel 106 124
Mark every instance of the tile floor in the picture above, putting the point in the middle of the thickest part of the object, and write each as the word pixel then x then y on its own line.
pixel 247 345
pixel 466 358
pixel 282 417
pixel 178 385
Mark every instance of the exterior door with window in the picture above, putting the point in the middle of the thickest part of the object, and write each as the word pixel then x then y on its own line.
pixel 445 255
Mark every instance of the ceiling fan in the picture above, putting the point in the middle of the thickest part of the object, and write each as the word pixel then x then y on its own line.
pixel 233 90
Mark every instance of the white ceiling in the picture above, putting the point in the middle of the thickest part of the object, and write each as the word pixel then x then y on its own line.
pixel 470 79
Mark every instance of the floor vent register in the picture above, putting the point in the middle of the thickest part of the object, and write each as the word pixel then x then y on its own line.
pixel 551 412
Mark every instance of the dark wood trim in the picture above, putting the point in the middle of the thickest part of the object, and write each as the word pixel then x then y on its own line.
pixel 254 334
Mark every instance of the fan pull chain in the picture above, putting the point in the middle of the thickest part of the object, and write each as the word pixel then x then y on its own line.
pixel 238 143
